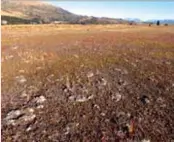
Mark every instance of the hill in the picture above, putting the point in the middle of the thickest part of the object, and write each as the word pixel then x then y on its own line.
pixel 41 12
pixel 36 10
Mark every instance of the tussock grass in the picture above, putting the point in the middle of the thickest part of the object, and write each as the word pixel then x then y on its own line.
pixel 92 80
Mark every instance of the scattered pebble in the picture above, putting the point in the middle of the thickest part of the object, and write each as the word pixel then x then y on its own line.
pixel 117 97
pixel 103 114
pixel 11 122
pixel 38 68
pixel 168 63
pixel 144 99
pixel 96 106
pixel 9 57
pixel 27 61
pixel 81 99
pixel 72 98
pixel 67 130
pixel 77 124
pixel 31 110
pixel 21 79
pixel 133 64
pixel 98 72
pixel 21 71
pixel 13 114
pixel 145 140
pixel 117 69
pixel 173 85
pixel 20 117
pixel 104 82
pixel 24 94
pixel 76 56
pixel 40 99
pixel 15 47
pixel 128 115
pixel 30 117
pixel 28 129
pixel 68 84
pixel 50 77
pixel 90 97
pixel 125 71
pixel 40 106
pixel 90 74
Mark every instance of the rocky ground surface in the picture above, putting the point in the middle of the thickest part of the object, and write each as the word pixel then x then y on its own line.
pixel 107 86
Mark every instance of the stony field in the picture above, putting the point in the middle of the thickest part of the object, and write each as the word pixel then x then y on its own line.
pixel 87 83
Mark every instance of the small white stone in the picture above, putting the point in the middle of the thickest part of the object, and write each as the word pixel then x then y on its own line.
pixel 21 79
pixel 40 99
pixel 21 71
pixel 103 114
pixel 77 124
pixel 15 47
pixel 82 65
pixel 72 98
pixel 31 110
pixel 90 74
pixel 51 75
pixel 147 101
pixel 133 64
pixel 168 63
pixel 40 106
pixel 125 72
pixel 11 122
pixel 116 97
pixel 24 94
pixel 144 140
pixel 13 114
pixel 104 82
pixel 97 106
pixel 172 84
pixel 76 56
pixel 10 56
pixel 67 130
pixel 90 97
pixel 128 114
pixel 38 68
pixel 26 61
pixel 28 129
pixel 81 99
pixel 29 117
pixel 117 69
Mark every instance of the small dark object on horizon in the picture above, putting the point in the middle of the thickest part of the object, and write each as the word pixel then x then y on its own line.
pixel 158 23
pixel 166 24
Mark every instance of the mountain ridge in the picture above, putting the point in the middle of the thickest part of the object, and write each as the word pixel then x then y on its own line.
pixel 41 12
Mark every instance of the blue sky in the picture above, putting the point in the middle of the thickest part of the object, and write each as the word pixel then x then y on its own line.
pixel 116 9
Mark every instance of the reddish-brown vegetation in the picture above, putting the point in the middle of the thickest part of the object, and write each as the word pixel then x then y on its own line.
pixel 87 83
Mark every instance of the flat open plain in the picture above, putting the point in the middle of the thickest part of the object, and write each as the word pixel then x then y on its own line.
pixel 90 83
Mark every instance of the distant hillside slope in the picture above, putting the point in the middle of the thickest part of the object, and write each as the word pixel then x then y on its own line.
pixel 42 12
pixel 36 10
